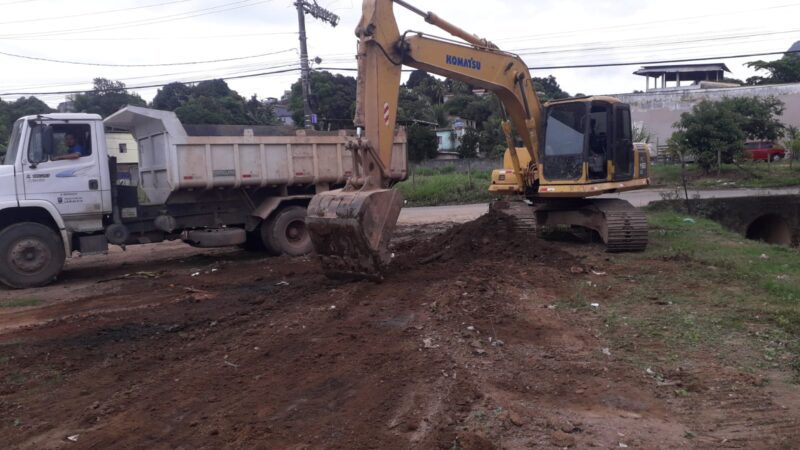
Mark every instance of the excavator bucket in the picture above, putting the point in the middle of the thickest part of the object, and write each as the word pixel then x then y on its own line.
pixel 351 229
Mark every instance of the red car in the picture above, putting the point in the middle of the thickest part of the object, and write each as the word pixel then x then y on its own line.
pixel 764 151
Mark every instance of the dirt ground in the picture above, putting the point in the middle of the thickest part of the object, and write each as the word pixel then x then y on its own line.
pixel 462 346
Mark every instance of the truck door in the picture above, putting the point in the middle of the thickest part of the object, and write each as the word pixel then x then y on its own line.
pixel 61 166
pixel 623 143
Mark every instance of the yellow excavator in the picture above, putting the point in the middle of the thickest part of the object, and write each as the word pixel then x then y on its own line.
pixel 571 150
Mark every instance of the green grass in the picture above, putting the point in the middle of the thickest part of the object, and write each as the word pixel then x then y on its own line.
pixel 20 303
pixel 430 187
pixel 753 175
pixel 700 288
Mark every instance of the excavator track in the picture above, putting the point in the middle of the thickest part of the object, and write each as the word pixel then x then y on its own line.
pixel 626 228
pixel 621 226
pixel 522 214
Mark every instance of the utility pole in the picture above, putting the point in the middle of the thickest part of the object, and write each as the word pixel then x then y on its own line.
pixel 305 7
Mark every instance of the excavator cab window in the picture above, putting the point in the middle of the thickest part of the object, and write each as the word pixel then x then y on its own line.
pixel 599 135
pixel 565 137
pixel 623 143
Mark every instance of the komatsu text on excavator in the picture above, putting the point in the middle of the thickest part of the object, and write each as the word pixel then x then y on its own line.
pixel 571 150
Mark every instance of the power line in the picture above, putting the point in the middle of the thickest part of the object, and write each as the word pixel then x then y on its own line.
pixel 645 43
pixel 666 61
pixel 17 1
pixel 187 63
pixel 594 30
pixel 143 22
pixel 617 64
pixel 349 69
pixel 154 38
pixel 95 13
pixel 86 91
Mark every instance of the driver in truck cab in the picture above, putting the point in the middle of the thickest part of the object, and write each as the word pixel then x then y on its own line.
pixel 74 150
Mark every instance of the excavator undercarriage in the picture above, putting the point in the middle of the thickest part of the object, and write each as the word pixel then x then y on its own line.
pixel 621 226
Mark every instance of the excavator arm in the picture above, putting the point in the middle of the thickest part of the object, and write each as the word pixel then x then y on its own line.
pixel 351 227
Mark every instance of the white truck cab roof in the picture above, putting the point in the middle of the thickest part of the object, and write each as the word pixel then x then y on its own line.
pixel 65 116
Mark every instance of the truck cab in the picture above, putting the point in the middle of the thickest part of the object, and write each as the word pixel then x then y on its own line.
pixel 54 183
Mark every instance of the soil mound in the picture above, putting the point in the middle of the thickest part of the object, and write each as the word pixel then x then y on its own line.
pixel 491 236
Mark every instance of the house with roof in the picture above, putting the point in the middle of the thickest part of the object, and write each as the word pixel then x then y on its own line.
pixel 450 137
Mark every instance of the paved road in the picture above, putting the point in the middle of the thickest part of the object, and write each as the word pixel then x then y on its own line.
pixel 465 213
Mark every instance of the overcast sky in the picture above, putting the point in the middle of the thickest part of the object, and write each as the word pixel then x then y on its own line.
pixel 544 32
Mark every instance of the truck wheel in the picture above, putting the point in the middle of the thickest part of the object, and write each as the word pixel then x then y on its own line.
pixel 775 158
pixel 32 255
pixel 287 233
pixel 253 242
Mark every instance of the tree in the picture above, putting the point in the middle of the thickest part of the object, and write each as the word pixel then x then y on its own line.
pixel 333 100
pixel 759 116
pixel 11 111
pixel 172 96
pixel 213 102
pixel 213 111
pixel 715 132
pixel 492 140
pixel 259 112
pixel 712 132
pixel 678 145
pixel 640 134
pixel 107 97
pixel 422 143
pixel 548 89
pixel 412 106
pixel 792 143
pixel 416 78
pixel 784 70
pixel 469 144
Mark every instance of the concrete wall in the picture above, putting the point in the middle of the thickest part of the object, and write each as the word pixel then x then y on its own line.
pixel 775 219
pixel 658 111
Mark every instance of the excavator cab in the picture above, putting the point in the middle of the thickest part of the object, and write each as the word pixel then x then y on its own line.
pixel 586 149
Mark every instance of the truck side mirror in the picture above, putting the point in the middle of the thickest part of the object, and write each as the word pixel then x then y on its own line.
pixel 41 144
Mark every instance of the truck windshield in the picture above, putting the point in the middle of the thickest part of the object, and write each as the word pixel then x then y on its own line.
pixel 13 144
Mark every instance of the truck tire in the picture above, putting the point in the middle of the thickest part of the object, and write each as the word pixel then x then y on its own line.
pixel 253 242
pixel 32 255
pixel 286 232
pixel 775 158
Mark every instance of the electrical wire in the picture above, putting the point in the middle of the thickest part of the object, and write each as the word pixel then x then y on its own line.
pixel 665 61
pixel 95 13
pixel 187 63
pixel 17 1
pixel 239 4
pixel 594 30
pixel 85 91
pixel 155 38
pixel 648 44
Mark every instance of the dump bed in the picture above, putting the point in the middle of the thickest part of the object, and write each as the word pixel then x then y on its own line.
pixel 173 157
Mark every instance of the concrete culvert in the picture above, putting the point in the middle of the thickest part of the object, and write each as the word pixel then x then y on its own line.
pixel 770 228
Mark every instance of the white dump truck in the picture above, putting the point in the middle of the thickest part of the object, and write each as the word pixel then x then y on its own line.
pixel 209 186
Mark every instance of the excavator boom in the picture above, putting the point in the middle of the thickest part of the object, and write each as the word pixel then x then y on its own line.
pixel 351 227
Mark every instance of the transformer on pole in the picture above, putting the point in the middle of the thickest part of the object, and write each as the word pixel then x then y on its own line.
pixel 312 8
